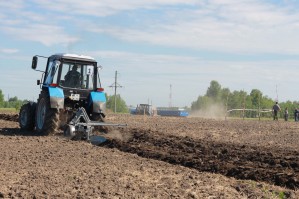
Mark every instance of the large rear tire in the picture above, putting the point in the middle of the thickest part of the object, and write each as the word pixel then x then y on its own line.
pixel 46 118
pixel 100 118
pixel 27 116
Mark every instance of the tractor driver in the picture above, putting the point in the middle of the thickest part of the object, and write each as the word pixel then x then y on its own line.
pixel 72 78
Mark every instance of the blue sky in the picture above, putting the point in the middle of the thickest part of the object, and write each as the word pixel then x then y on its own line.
pixel 242 44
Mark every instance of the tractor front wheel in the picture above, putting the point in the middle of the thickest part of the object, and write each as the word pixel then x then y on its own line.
pixel 46 118
pixel 26 116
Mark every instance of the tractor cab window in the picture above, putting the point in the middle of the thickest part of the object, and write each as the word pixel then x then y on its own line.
pixel 88 77
pixel 77 76
pixel 52 72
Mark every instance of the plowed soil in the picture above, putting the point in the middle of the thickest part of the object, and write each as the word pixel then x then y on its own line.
pixel 154 157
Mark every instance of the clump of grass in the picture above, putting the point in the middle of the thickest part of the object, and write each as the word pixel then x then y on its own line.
pixel 265 190
pixel 281 195
pixel 8 110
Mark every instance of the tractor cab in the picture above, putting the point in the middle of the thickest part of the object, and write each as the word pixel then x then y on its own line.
pixel 75 74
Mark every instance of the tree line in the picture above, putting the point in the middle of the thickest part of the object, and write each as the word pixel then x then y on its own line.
pixel 121 106
pixel 12 102
pixel 16 103
pixel 227 99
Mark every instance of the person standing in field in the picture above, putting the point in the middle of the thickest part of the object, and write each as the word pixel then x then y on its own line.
pixel 275 110
pixel 296 115
pixel 286 114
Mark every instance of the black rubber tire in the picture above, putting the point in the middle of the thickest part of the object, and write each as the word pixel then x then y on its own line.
pixel 100 118
pixel 97 117
pixel 46 118
pixel 27 116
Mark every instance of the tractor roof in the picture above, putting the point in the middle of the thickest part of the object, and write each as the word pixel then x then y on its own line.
pixel 74 56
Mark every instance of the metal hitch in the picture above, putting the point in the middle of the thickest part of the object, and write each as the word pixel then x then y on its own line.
pixel 81 127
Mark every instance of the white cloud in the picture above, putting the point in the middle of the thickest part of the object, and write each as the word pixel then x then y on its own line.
pixel 9 50
pixel 107 7
pixel 12 4
pixel 22 23
pixel 247 26
pixel 45 34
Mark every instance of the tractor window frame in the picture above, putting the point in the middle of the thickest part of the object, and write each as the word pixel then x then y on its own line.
pixel 71 62
pixel 51 72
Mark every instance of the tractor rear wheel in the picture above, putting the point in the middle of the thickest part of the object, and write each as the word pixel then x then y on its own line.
pixel 46 118
pixel 26 116
pixel 100 118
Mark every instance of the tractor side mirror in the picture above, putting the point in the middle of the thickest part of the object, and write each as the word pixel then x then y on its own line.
pixel 100 67
pixel 38 82
pixel 34 62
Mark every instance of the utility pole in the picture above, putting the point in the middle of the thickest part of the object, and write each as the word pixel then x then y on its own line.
pixel 115 85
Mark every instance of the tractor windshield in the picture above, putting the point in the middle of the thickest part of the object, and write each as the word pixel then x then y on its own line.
pixel 77 76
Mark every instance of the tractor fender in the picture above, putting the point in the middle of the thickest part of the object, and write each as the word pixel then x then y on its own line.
pixel 56 97
pixel 98 102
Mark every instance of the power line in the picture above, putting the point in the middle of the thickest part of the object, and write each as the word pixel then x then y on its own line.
pixel 115 85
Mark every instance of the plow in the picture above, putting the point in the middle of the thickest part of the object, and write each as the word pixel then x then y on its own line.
pixel 71 99
pixel 81 127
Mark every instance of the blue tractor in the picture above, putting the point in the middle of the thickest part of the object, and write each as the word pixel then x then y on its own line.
pixel 71 98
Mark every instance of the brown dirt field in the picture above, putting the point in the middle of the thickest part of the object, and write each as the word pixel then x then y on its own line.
pixel 154 157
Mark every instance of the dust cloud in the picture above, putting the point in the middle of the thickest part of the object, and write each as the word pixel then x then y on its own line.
pixel 214 111
pixel 117 135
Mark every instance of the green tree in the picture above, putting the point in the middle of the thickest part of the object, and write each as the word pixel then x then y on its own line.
pixel 195 104
pixel 13 99
pixel 202 102
pixel 214 91
pixel 121 106
pixel 1 99
pixel 239 100
pixel 225 92
pixel 266 102
pixel 14 102
pixel 256 96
